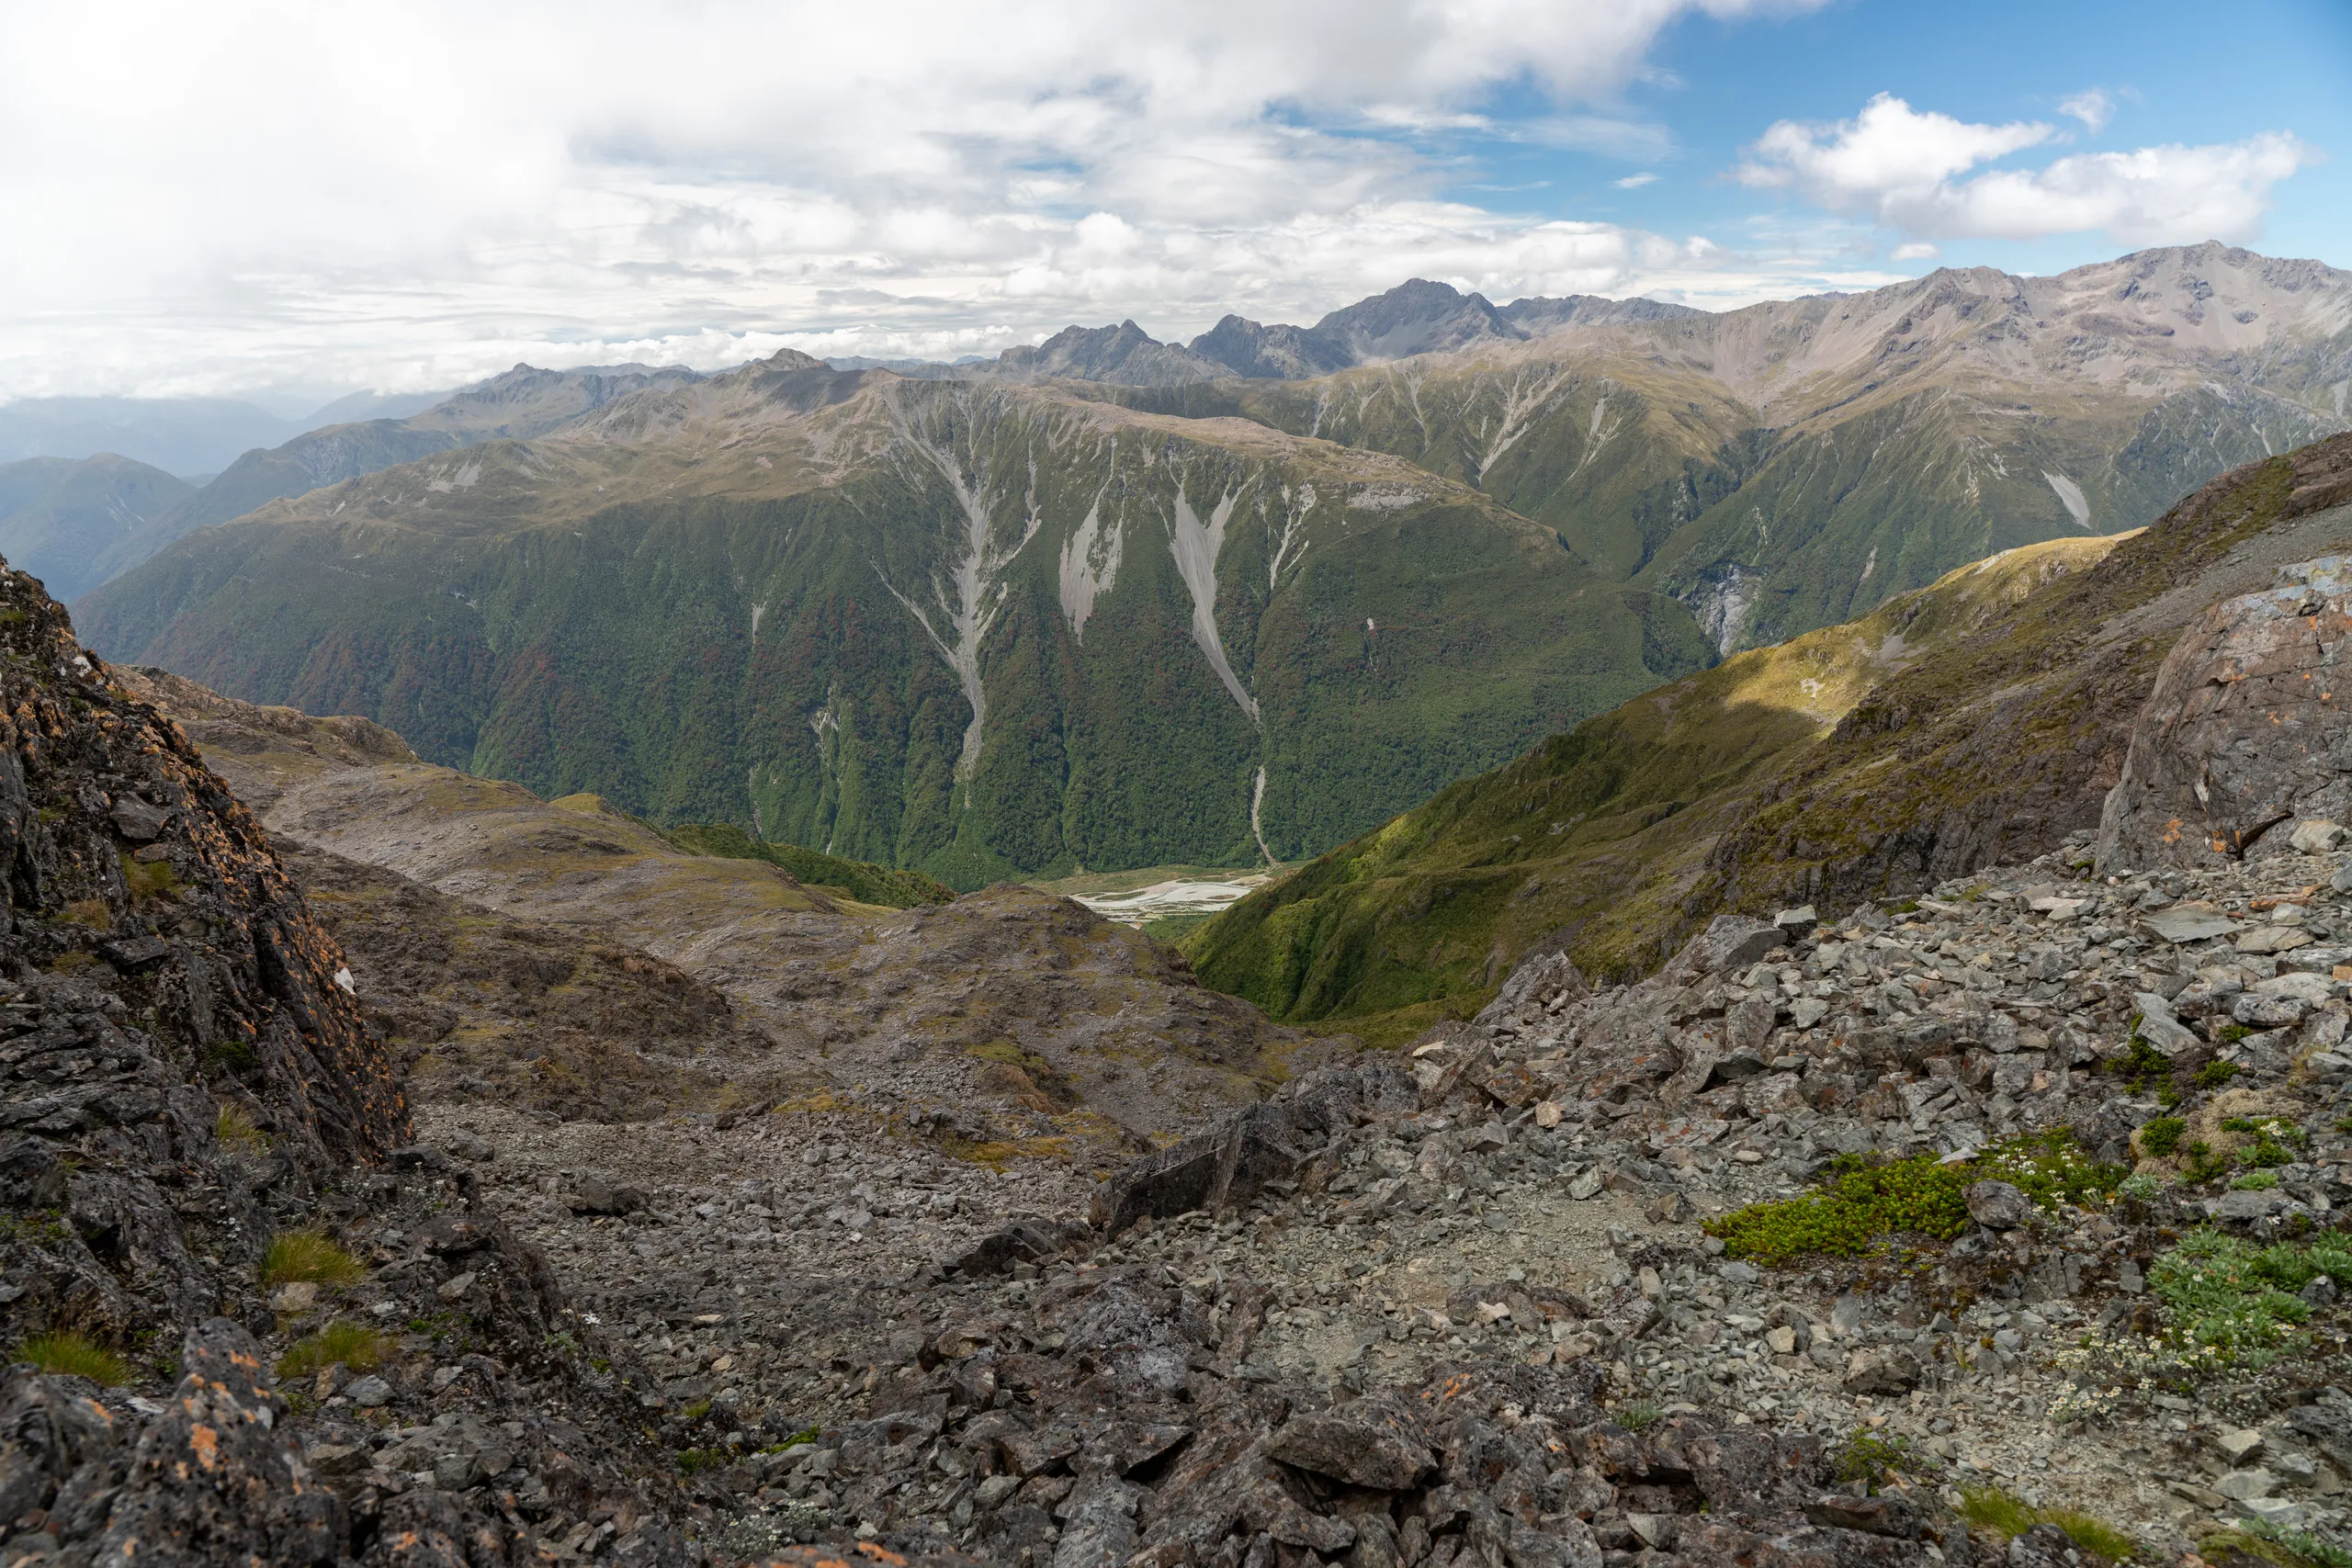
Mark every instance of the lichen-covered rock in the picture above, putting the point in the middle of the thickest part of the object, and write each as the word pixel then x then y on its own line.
pixel 214 1479
pixel 2246 734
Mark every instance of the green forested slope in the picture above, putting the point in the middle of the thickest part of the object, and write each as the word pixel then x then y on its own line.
pixel 774 600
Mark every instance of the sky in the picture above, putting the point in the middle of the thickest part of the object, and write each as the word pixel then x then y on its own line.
pixel 288 202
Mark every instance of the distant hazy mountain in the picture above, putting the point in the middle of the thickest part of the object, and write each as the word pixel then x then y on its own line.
pixel 931 369
pixel 1414 318
pixel 186 436
pixel 179 435
pixel 373 405
pixel 68 521
pixel 1125 355
pixel 522 402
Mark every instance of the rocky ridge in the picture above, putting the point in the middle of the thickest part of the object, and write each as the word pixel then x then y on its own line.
pixel 1482 1276
pixel 193 1100
pixel 561 956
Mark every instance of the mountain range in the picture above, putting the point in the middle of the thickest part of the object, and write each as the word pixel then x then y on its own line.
pixel 1106 603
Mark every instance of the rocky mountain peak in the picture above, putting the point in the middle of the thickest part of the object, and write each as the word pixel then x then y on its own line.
pixel 1419 316
pixel 1125 354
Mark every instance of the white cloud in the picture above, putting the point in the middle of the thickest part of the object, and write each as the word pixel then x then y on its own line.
pixel 1888 148
pixel 2092 107
pixel 1635 182
pixel 249 193
pixel 1901 167
pixel 1915 250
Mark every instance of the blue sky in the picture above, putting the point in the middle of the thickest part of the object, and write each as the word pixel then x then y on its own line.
pixel 2174 72
pixel 292 202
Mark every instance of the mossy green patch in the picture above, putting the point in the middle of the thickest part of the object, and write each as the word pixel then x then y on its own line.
pixel 1862 1203
pixel 64 1353
pixel 2264 1541
pixel 357 1345
pixel 2007 1514
pixel 1872 1457
pixel 309 1255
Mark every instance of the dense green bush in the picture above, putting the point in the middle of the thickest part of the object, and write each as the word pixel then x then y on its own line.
pixel 1861 1200
pixel 859 880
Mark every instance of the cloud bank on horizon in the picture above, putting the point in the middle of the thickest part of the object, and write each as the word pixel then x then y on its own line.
pixel 258 195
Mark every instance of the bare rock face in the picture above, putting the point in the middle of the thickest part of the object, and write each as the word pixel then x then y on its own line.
pixel 157 966
pixel 186 1076
pixel 2246 734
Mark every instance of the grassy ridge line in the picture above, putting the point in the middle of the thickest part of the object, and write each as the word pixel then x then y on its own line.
pixel 856 880
pixel 1597 830
pixel 1980 718
pixel 1999 746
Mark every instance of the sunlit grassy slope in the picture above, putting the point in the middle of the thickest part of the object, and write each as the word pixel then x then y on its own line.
pixel 1594 836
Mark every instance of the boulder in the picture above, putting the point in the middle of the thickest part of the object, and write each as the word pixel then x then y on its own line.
pixel 1873 1515
pixel 1367 1443
pixel 1023 1241
pixel 1998 1206
pixel 2165 1033
pixel 1798 923
pixel 1887 1371
pixel 2188 922
pixel 593 1195
pixel 1730 942
pixel 2316 838
pixel 1542 979
pixel 2241 734
pixel 1232 1162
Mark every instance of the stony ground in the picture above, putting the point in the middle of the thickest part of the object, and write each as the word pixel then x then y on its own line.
pixel 1537 1197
